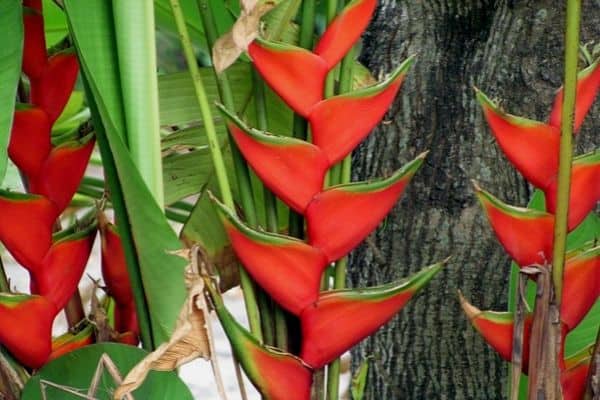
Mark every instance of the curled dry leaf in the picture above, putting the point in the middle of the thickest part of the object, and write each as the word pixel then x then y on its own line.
pixel 191 339
pixel 230 46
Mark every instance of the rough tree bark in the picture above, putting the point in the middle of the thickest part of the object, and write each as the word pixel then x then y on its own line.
pixel 512 50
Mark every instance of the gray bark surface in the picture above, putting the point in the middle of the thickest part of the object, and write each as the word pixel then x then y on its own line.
pixel 512 50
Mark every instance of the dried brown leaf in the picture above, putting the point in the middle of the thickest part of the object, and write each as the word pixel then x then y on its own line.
pixel 230 46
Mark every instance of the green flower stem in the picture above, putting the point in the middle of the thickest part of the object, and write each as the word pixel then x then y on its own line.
pixel 566 146
pixel 331 6
pixel 217 156
pixel 339 281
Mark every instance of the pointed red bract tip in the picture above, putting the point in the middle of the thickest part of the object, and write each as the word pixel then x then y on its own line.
pixel 292 169
pixel 51 91
pixel 62 172
pixel 497 330
pixel 286 268
pixel 26 228
pixel 588 84
pixel 344 31
pixel 295 74
pixel 585 189
pixel 35 57
pixel 114 266
pixel 27 322
pixel 581 286
pixel 526 235
pixel 126 321
pixel 342 318
pixel 63 267
pixel 29 144
pixel 339 218
pixel 573 380
pixel 531 146
pixel 276 375
pixel 340 123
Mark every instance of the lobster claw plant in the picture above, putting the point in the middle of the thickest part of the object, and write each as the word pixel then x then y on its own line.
pixel 338 218
pixel 528 235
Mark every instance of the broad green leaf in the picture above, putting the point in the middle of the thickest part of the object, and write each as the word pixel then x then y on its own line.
pixel 185 174
pixel 55 23
pixel 146 233
pixel 11 48
pixel 75 371
pixel 192 137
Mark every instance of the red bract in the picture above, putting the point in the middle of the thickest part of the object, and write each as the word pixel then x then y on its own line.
pixel 29 144
pixel 52 89
pixel 69 341
pixel 340 123
pixel 526 234
pixel 288 269
pixel 588 84
pixel 585 189
pixel 573 377
pixel 26 228
pixel 63 171
pixel 63 267
pixel 34 41
pixel 281 162
pixel 276 375
pixel 27 325
pixel 581 286
pixel 340 217
pixel 531 146
pixel 341 318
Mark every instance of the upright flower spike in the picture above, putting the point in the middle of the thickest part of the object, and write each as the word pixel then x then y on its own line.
pixel 497 329
pixel 342 318
pixel 531 146
pixel 293 169
pixel 338 124
pixel 276 375
pixel 27 326
pixel 588 84
pixel 63 171
pixel 35 57
pixel 525 234
pixel 26 228
pixel 581 286
pixel 574 376
pixel 51 91
pixel 344 31
pixel 72 341
pixel 339 218
pixel 29 144
pixel 63 267
pixel 285 68
pixel 286 268
pixel 585 189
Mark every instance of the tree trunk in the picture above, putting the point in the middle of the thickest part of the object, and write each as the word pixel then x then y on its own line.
pixel 513 51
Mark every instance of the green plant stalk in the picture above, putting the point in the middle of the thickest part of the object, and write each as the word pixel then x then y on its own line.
pixel 279 321
pixel 4 286
pixel 331 11
pixel 339 280
pixel 136 45
pixel 240 167
pixel 566 146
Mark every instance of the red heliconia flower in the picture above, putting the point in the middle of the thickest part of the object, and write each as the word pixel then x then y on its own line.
pixel 29 144
pixel 285 67
pixel 126 323
pixel 573 377
pixel 288 269
pixel 338 124
pixel 497 329
pixel 588 85
pixel 26 323
pixel 581 286
pixel 585 189
pixel 63 170
pixel 526 234
pixel 342 318
pixel 339 218
pixel 26 228
pixel 281 162
pixel 63 267
pixel 35 57
pixel 72 341
pixel 51 91
pixel 276 375
pixel 531 146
